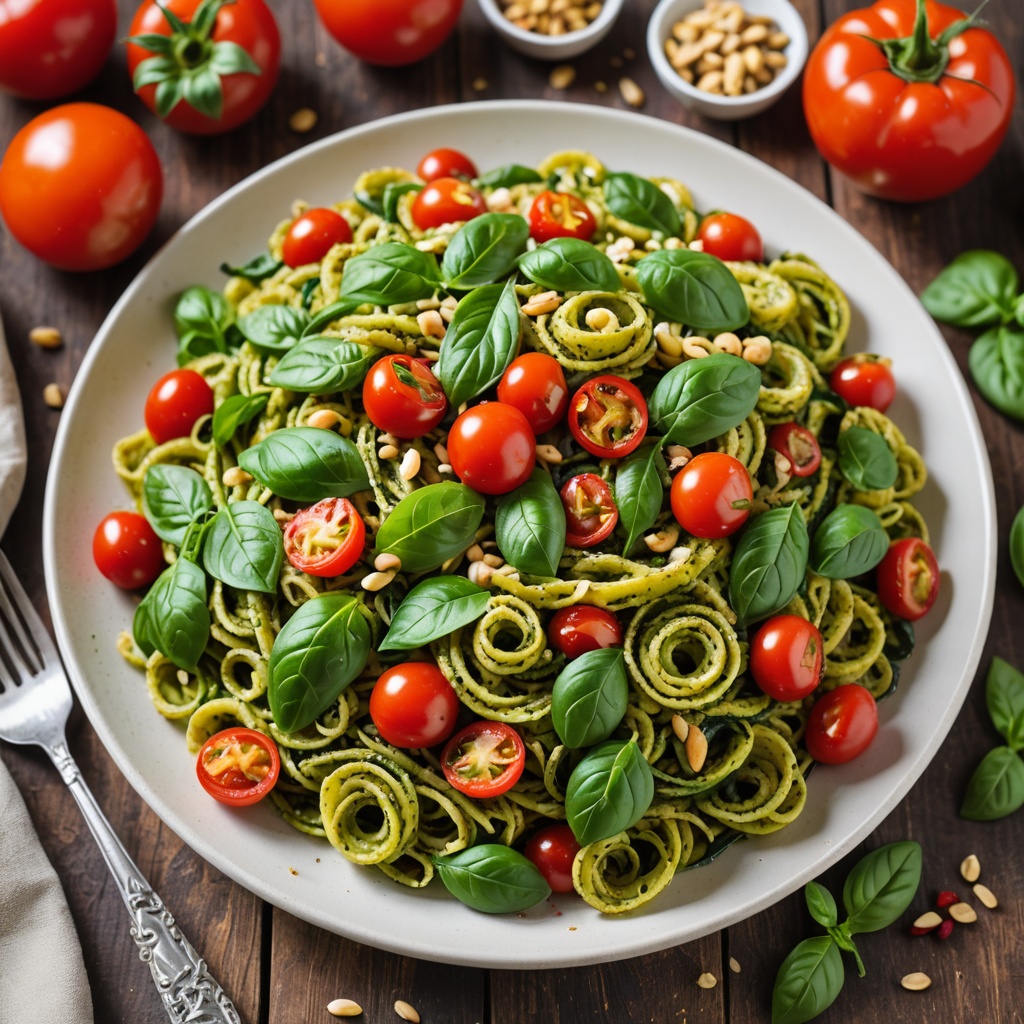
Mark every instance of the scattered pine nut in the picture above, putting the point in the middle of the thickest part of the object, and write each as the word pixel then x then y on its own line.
pixel 986 896
pixel 375 581
pixel 696 748
pixel 562 77
pixel 411 463
pixel 916 982
pixel 235 476
pixel 387 451
pixel 549 453
pixel 303 120
pixel 46 337
pixel 600 86
pixel 734 965
pixel 479 573
pixel 344 1008
pixel 545 302
pixel 325 419
pixel 475 553
pixel 680 727
pixel 631 92
pixel 970 868
pixel 928 921
pixel 387 561
pixel 707 980
pixel 431 324
pixel 479 84
pixel 963 913
pixel 663 540
pixel 53 396
pixel 406 1012
pixel 281 516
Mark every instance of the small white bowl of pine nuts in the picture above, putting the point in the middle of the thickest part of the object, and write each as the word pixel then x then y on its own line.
pixel 552 29
pixel 727 59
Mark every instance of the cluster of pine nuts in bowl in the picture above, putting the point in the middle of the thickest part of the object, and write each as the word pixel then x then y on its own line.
pixel 551 29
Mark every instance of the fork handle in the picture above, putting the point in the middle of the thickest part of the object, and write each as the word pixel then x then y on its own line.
pixel 189 993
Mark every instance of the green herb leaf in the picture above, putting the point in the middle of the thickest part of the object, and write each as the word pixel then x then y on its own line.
pixel 639 492
pixel 393 191
pixel 609 791
pixel 258 269
pixel 274 328
pixel 978 288
pixel 996 789
pixel 492 878
pixel 808 981
pixel 323 365
pixel 434 608
pixel 231 59
pixel 529 526
pixel 642 203
pixel 484 250
pixel 235 412
pixel 203 314
pixel 996 362
pixel 1017 545
pixel 201 90
pixel 390 273
pixel 243 547
pixel 881 886
pixel 866 459
pixel 821 904
pixel 693 288
pixel 589 698
pixel 172 498
pixel 174 617
pixel 507 176
pixel 851 540
pixel 570 265
pixel 323 317
pixel 1004 695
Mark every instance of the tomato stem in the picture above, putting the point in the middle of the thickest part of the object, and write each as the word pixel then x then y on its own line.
pixel 918 57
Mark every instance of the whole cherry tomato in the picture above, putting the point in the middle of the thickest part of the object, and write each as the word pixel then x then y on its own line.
pixel 786 657
pixel 731 237
pixel 909 99
pixel 51 48
pixel 446 163
pixel 177 400
pixel 590 510
pixel 841 725
pixel 484 759
pixel 560 215
pixel 127 550
pixel 798 445
pixel 864 379
pixel 311 235
pixel 80 186
pixel 414 705
pixel 711 495
pixel 608 417
pixel 492 448
pixel 402 397
pixel 907 578
pixel 389 32
pixel 213 74
pixel 325 539
pixel 446 201
pixel 582 627
pixel 553 850
pixel 238 766
pixel 535 384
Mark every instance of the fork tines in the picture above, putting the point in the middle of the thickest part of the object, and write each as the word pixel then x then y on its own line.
pixel 20 654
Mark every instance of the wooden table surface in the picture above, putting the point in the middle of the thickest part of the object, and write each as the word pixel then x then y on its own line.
pixel 279 969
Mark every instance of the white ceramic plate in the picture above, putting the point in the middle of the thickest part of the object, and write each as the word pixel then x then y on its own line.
pixel 305 876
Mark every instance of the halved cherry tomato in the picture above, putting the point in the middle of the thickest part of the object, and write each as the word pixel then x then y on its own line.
pixel 864 379
pixel 238 766
pixel 446 201
pixel 841 725
pixel 312 234
pixel 560 215
pixel 590 510
pixel 177 400
pixel 535 384
pixel 484 759
pixel 731 237
pixel 553 850
pixel 446 163
pixel 786 657
pixel 402 397
pixel 907 578
pixel 492 448
pixel 325 539
pixel 414 705
pixel 582 627
pixel 798 445
pixel 608 417
pixel 711 495
pixel 127 550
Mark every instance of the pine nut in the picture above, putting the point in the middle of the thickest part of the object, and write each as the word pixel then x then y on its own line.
pixel 479 573
pixel 475 553
pixel 663 540
pixel 928 921
pixel 549 453
pixel 707 980
pixel 710 82
pixel 631 92
pixel 562 77
pixel 545 302
pixel 325 419
pixel 601 319
pixel 732 76
pixel 757 350
pixel 53 396
pixel 728 342
pixel 680 727
pixel 777 40
pixel 388 451
pixel 235 476
pixel 386 561
pixel 986 896
pixel 970 868
pixel 916 982
pixel 431 323
pixel 551 17
pixel 344 1008
pixel 407 1012
pixel 387 439
pixel 696 347
pixel 46 337
pixel 303 120
pixel 410 466
pixel 283 517
pixel 734 965
pixel 963 913
pixel 696 748
pixel 375 581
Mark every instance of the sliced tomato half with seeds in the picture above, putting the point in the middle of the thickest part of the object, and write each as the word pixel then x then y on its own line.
pixel 238 766
pixel 325 539
pixel 484 759
pixel 608 417
pixel 590 510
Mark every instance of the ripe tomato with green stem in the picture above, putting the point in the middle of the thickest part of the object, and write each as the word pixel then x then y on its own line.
pixel 786 657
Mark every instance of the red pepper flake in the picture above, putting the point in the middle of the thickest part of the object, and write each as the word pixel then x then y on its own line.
pixel 946 899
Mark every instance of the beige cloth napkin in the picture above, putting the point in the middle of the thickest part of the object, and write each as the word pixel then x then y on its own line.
pixel 42 976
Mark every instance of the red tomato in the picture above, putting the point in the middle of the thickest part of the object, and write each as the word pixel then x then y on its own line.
pixel 446 163
pixel 389 32
pixel 325 539
pixel 535 384
pixel 864 379
pixel 582 627
pixel 907 578
pixel 446 201
pixel 711 495
pixel 238 766
pixel 51 48
pixel 414 705
pixel 402 397
pixel 913 119
pixel 492 448
pixel 798 445
pixel 731 237
pixel 127 551
pixel 841 725
pixel 786 657
pixel 553 850
pixel 80 186
pixel 560 215
pixel 590 510
pixel 238 51
pixel 484 759
pixel 312 234
pixel 177 400
pixel 608 417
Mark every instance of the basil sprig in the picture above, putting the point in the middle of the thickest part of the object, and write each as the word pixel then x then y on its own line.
pixel 243 547
pixel 866 459
pixel 608 791
pixel 390 273
pixel 1017 545
pixel 274 327
pixel 529 526
pixel 492 878
pixel 259 268
pixel 322 365
pixel 508 175
pixel 434 608
pixel 693 288
pixel 850 541
pixel 172 498
pixel 484 250
pixel 640 491
pixel 589 697
pixel 996 362
pixel 234 412
pixel 204 323
pixel 639 201
pixel 570 265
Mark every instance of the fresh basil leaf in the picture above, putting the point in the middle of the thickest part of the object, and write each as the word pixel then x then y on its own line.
pixel 609 791
pixel 866 459
pixel 484 250
pixel 235 412
pixel 203 314
pixel 273 327
pixel 639 492
pixel 369 201
pixel 393 191
pixel 319 651
pixel 431 525
pixel 195 345
pixel 529 526
pixel 480 342
pixel 850 541
pixel 639 201
pixel 306 464
pixel 327 315
pixel 821 905
pixel 1018 310
pixel 507 176
pixel 309 286
pixel 492 878
pixel 570 265
pixel 243 547
pixel 174 618
pixel 390 273
pixel 589 697
pixel 434 608
pixel 1017 545
pixel 1004 695
pixel 702 398
pixel 693 288
pixel 808 981
pixel 322 365
pixel 996 789
pixel 172 498
pixel 768 564
pixel 881 886
pixel 978 288
pixel 258 269
pixel 996 362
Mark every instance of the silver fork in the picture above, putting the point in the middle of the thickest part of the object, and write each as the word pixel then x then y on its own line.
pixel 35 700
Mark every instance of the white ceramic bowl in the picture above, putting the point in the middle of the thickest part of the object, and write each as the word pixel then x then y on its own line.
pixel 544 47
pixel 726 108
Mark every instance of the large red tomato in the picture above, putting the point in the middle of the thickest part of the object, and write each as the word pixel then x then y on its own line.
pixel 80 186
pixel 217 68
pixel 909 99
pixel 51 48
